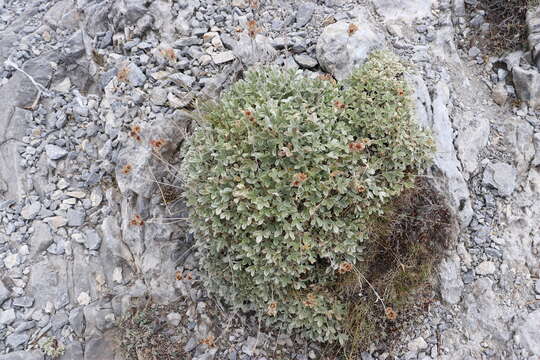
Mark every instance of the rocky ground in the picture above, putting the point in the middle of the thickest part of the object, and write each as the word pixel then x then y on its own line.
pixel 96 97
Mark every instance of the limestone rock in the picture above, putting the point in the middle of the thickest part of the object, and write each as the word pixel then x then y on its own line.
pixel 485 268
pixel 23 355
pixel 536 141
pixel 258 50
pixel 527 85
pixel 529 332
pixel 502 177
pixel 340 49
pixel 450 279
pixel 55 152
pixel 403 10
pixel 41 239
pixel 31 211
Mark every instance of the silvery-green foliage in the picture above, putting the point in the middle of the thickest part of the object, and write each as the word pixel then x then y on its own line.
pixel 284 177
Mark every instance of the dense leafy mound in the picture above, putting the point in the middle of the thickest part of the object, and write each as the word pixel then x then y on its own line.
pixel 284 179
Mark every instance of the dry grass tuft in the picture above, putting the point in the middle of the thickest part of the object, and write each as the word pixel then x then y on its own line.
pixel 144 334
pixel 393 285
pixel 508 25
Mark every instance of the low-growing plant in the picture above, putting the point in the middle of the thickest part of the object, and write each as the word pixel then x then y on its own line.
pixel 52 348
pixel 286 176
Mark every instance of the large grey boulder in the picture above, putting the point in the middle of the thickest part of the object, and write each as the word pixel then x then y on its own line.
pixel 13 124
pixel 257 50
pixel 533 27
pixel 451 283
pixel 341 48
pixel 447 174
pixel 63 14
pixel 403 10
pixel 536 141
pixel 502 177
pixel 41 72
pixel 23 355
pixel 145 160
pixel 528 333
pixel 41 238
pixel 527 85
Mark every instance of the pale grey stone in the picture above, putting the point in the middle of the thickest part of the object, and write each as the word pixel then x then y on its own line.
pixel 339 52
pixel 500 94
pixel 135 76
pixel 250 345
pixel 15 340
pixel 76 320
pixel 93 239
pixel 7 317
pixel 23 301
pixel 417 344
pixel 527 85
pixel 305 61
pixel 529 332
pixel 55 152
pixel 450 279
pixel 4 292
pixel 404 10
pixel 73 351
pixel 485 268
pixel 254 51
pixel 536 141
pixel 30 211
pixel 304 13
pixel 75 217
pixel 182 80
pixel 223 57
pixel 158 96
pixel 174 318
pixel 41 239
pixel 100 348
pixel 23 355
pixel 502 177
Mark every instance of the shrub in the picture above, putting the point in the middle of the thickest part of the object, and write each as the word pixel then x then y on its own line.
pixel 284 177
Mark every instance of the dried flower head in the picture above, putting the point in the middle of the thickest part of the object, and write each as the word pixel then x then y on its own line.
pixel 339 105
pixel 400 92
pixel 254 4
pixel 137 221
pixel 169 54
pixel 272 309
pixel 352 29
pixel 135 132
pixel 336 173
pixel 126 169
pixel 252 28
pixel 360 188
pixel 284 152
pixel 327 77
pixel 208 341
pixel 357 146
pixel 189 276
pixel 157 144
pixel 122 74
pixel 178 275
pixel 311 300
pixel 345 267
pixel 298 179
pixel 390 314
